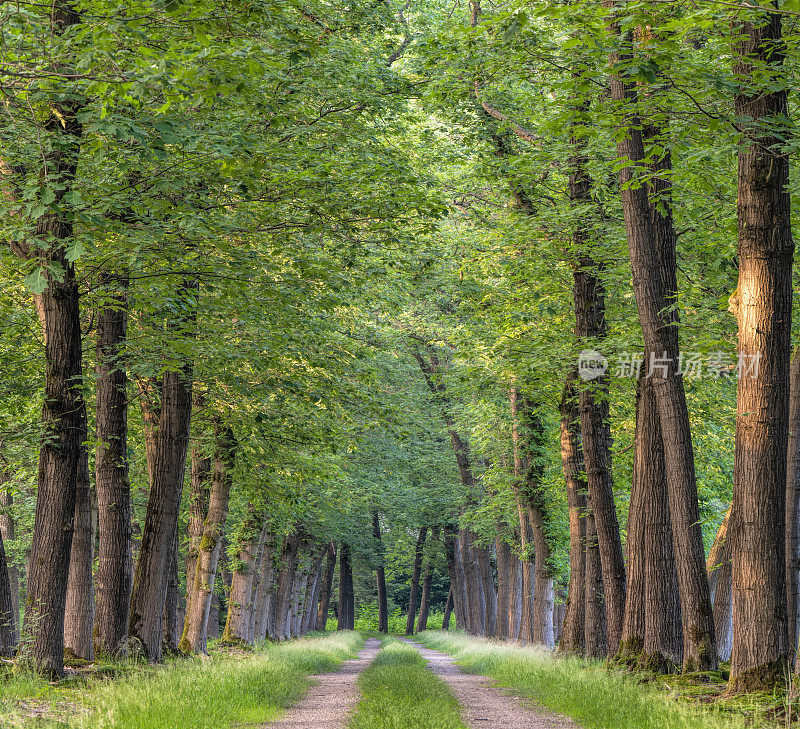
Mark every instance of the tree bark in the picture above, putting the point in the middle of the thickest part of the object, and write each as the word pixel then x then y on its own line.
pixel 170 635
pixel 448 610
pixel 661 341
pixel 662 650
pixel 763 309
pixel 199 494
pixel 114 558
pixel 240 600
pixel 503 550
pixel 720 574
pixel 283 597
pixel 200 595
pixel 9 609
pixel 8 626
pixel 380 576
pixel 327 588
pixel 528 435
pixel 312 594
pixel 413 594
pixel 79 608
pixel 595 617
pixel 346 601
pixel 793 508
pixel 266 587
pixel 425 602
pixel 170 443
pixel 456 572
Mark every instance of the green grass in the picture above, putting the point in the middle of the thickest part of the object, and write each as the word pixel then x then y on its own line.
pixel 593 695
pixel 233 688
pixel 399 692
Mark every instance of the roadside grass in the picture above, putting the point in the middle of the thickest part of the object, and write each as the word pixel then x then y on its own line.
pixel 229 688
pixel 399 692
pixel 595 696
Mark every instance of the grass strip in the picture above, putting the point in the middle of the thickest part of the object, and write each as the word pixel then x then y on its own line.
pixel 231 688
pixel 222 692
pixel 400 692
pixel 594 696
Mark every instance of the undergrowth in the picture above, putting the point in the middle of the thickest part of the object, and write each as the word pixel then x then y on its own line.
pixel 399 692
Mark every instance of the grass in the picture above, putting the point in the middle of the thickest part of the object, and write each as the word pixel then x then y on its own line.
pixel 230 688
pixel 399 692
pixel 595 696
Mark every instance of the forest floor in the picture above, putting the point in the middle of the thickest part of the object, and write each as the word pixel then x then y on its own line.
pixel 342 681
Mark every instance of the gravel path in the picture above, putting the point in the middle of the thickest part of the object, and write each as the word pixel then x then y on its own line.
pixel 484 706
pixel 327 704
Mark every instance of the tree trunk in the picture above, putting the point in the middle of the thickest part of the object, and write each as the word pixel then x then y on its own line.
pixel 661 341
pixel 9 611
pixel 327 588
pixel 632 641
pixel 425 602
pixel 595 618
pixel 720 573
pixel 114 558
pixel 793 508
pixel 8 625
pixel 472 583
pixel 515 598
pixel 200 595
pixel 503 550
pixel 448 610
pixel 79 609
pixel 170 636
pixel 572 635
pixel 240 600
pixel 380 575
pixel 166 463
pixel 488 590
pixel 283 597
pixel 170 442
pixel 663 636
pixel 763 309
pixel 346 602
pixel 265 588
pixel 199 494
pixel 413 594
pixel 62 412
pixel 312 594
pixel 456 572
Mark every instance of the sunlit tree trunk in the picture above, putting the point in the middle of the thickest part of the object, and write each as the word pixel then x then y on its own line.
pixel 200 595
pixel 573 633
pixel 763 308
pixel 266 587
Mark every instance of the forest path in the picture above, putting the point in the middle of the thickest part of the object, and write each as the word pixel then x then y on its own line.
pixel 327 704
pixel 484 706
